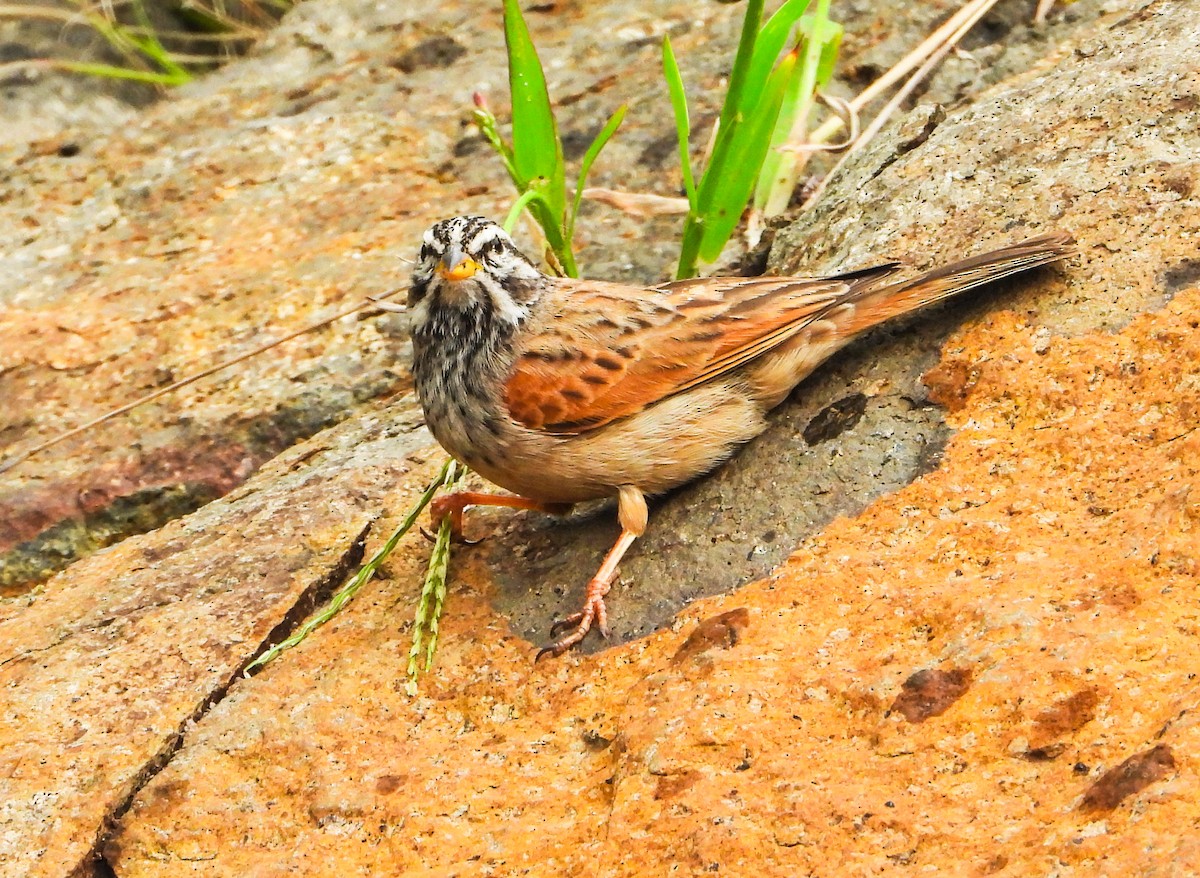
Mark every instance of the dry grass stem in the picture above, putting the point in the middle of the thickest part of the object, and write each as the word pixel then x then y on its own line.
pixel 966 18
pixel 183 382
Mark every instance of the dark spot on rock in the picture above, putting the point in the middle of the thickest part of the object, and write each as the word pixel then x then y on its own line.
pixel 931 693
pixel 576 143
pixel 1180 276
pixel 69 150
pixel 1123 597
pixel 670 786
pixel 17 52
pixel 435 52
pixel 862 73
pixel 1065 716
pixel 950 383
pixel 835 419
pixel 933 449
pixel 169 791
pixel 595 741
pixel 1130 777
pixel 718 632
pixel 468 145
pixel 917 127
pixel 1045 754
pixel 658 151
pixel 388 783
pixel 1180 182
pixel 995 864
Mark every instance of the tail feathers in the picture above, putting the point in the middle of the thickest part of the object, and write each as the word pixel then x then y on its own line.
pixel 876 304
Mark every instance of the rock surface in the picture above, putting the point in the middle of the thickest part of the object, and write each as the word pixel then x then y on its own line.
pixel 987 671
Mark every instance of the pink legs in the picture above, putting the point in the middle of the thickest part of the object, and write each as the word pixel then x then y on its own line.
pixel 632 513
pixel 454 504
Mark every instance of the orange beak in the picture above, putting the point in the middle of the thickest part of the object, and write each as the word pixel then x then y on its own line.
pixel 455 266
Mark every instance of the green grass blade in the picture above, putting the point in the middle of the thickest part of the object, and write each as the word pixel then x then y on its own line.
pixel 828 35
pixel 771 41
pixel 537 150
pixel 585 167
pixel 111 71
pixel 777 166
pixel 733 112
pixel 736 93
pixel 730 192
pixel 683 127
pixel 514 212
pixel 450 473
pixel 821 39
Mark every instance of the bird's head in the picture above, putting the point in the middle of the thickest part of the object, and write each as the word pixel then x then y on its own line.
pixel 470 263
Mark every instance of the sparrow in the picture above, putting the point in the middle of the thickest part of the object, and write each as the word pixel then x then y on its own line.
pixel 562 390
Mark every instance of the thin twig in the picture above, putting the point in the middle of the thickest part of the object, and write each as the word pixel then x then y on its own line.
pixel 901 68
pixel 637 203
pixel 1043 9
pixel 183 382
pixel 976 10
pixel 845 111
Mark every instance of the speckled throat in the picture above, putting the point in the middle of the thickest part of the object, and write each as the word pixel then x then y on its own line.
pixel 459 357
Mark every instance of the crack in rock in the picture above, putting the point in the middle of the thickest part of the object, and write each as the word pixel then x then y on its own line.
pixel 94 862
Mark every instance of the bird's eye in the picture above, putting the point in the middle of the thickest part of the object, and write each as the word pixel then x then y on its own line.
pixel 490 250
pixel 426 253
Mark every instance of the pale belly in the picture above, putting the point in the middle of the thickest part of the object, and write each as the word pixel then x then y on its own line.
pixel 667 445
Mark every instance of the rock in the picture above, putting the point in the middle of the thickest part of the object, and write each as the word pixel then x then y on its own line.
pixel 1022 562
pixel 106 671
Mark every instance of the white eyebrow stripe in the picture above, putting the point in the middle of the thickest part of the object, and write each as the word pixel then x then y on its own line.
pixel 484 236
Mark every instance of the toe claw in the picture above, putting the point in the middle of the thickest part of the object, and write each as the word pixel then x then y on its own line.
pixel 563 624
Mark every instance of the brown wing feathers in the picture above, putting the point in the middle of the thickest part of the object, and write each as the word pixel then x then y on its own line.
pixel 877 304
pixel 605 351
pixel 593 362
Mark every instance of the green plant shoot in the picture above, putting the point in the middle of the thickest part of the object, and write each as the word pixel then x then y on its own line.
pixel 534 160
pixel 762 87
pixel 435 583
pixel 820 40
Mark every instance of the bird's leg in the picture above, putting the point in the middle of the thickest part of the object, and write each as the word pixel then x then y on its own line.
pixel 632 513
pixel 452 505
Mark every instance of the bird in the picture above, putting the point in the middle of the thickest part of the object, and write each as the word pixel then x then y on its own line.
pixel 561 390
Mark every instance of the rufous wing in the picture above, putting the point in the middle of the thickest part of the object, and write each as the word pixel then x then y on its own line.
pixel 597 351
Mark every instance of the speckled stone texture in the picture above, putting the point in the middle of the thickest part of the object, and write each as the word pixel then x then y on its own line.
pixel 971 639
pixel 288 186
pixel 954 682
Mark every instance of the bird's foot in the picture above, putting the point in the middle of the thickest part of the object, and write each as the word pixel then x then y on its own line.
pixel 593 612
pixel 450 506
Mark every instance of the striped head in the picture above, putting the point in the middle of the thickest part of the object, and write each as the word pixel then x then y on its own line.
pixel 470 265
